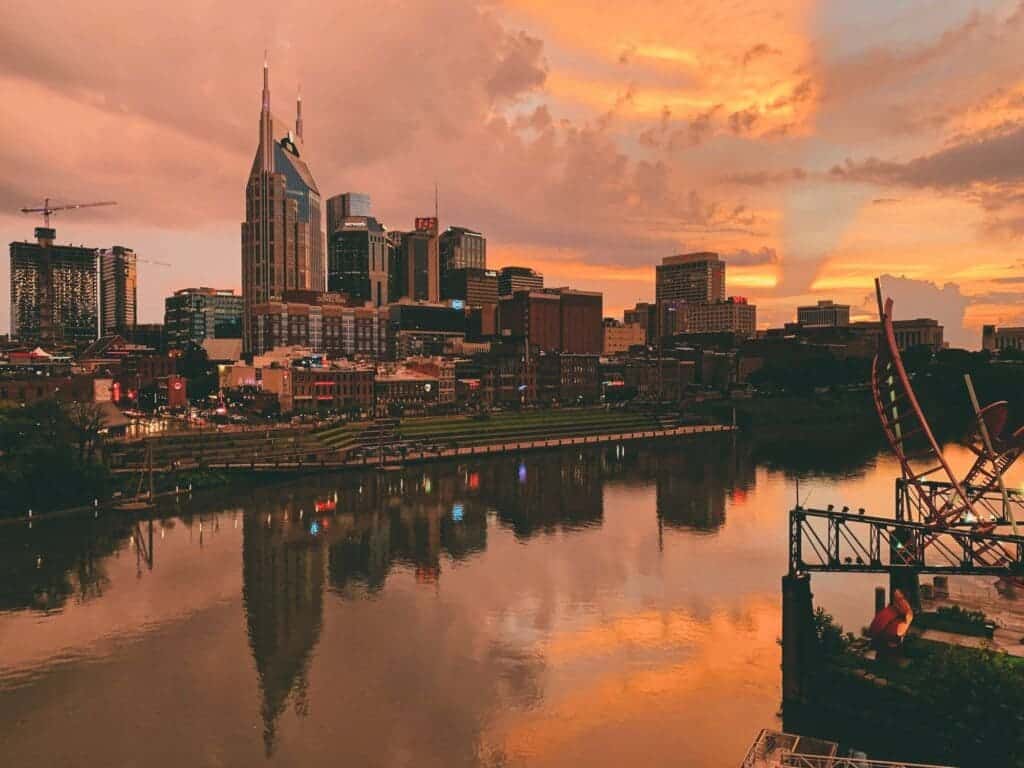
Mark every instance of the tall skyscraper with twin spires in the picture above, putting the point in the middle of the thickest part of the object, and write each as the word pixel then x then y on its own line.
pixel 282 235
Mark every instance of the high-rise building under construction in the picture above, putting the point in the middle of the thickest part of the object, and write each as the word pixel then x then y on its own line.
pixel 53 292
pixel 118 290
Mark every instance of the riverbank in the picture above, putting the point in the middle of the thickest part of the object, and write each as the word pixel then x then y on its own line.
pixel 391 440
pixel 940 701
pixel 413 456
pixel 182 479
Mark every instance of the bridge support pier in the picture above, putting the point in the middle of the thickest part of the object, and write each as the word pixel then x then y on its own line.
pixel 907 581
pixel 798 639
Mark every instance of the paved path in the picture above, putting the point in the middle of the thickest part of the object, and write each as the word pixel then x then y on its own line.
pixel 445 453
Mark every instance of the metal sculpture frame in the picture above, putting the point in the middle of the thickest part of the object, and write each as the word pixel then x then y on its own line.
pixel 961 502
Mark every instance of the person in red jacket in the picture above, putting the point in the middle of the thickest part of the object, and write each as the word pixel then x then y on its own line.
pixel 891 624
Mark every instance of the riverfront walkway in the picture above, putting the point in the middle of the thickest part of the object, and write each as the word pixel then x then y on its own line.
pixel 322 461
pixel 394 441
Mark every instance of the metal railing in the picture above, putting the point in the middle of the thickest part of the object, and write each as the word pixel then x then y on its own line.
pixel 793 760
pixel 756 752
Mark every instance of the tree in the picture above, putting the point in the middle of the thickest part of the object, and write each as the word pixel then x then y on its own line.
pixel 86 420
pixel 40 442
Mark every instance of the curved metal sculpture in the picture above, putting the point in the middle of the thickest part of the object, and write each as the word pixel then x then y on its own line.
pixel 903 421
pixel 995 448
pixel 935 495
pixel 941 525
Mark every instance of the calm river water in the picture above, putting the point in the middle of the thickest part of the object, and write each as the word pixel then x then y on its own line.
pixel 615 606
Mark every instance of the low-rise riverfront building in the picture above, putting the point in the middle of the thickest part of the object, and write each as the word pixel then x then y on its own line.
pixel 405 390
pixel 337 388
pixel 996 339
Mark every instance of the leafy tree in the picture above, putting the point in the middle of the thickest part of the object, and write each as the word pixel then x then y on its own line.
pixel 48 458
pixel 85 420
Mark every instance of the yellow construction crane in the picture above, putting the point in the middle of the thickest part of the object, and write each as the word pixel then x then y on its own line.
pixel 48 209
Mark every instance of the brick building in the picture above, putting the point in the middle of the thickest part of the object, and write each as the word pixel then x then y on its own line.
pixel 334 388
pixel 619 337
pixel 669 383
pixel 411 391
pixel 554 320
pixel 581 329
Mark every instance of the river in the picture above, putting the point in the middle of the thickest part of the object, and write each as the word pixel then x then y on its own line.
pixel 612 606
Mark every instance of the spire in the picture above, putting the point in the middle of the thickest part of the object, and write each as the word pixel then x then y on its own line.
pixel 266 83
pixel 266 151
pixel 298 114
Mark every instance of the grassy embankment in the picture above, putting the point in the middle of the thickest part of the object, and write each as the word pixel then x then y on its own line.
pixel 533 425
pixel 462 431
pixel 943 703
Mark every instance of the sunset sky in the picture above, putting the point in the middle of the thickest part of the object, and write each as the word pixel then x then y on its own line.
pixel 814 145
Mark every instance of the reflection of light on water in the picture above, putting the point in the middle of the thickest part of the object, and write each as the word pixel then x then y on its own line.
pixel 694 663
pixel 457 513
pixel 522 472
pixel 314 528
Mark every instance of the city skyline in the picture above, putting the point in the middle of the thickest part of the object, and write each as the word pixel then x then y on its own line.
pixel 811 161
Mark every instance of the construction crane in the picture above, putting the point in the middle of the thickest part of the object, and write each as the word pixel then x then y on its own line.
pixel 48 209
pixel 153 261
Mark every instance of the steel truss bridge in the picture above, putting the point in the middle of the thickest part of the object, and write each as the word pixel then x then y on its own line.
pixel 976 543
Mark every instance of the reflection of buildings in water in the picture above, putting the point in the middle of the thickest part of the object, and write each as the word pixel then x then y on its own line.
pixel 547 493
pixel 624 464
pixel 744 465
pixel 632 464
pixel 825 453
pixel 361 558
pixel 464 529
pixel 43 566
pixel 416 539
pixel 692 485
pixel 282 587
pixel 415 529
pixel 690 500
